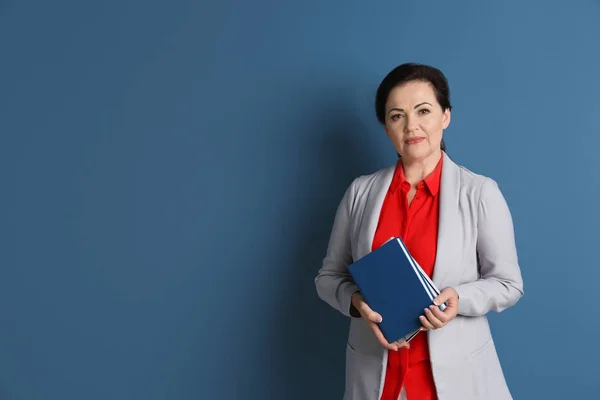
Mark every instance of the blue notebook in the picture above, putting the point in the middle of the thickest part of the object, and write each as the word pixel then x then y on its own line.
pixel 395 286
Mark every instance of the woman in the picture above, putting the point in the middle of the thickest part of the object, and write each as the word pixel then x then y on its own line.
pixel 458 227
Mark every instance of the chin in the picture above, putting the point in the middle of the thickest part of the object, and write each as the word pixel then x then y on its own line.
pixel 417 152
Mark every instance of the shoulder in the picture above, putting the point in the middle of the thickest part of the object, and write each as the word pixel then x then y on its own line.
pixel 368 179
pixel 363 183
pixel 476 185
pixel 469 177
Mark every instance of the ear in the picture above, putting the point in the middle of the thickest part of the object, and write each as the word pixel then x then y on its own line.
pixel 446 119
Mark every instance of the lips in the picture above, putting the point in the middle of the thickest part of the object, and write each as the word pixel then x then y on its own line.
pixel 414 140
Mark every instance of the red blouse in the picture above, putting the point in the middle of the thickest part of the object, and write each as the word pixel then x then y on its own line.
pixel 417 225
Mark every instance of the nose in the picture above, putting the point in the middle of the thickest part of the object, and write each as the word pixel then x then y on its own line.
pixel 411 124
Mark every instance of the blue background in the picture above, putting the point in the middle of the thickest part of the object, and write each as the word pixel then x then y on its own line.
pixel 170 171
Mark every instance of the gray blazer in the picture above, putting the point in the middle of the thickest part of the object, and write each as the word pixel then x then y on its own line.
pixel 476 255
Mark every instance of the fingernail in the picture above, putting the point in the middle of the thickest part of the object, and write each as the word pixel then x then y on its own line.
pixel 432 307
pixel 437 303
pixel 379 319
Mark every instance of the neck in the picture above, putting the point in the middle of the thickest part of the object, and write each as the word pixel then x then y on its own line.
pixel 417 170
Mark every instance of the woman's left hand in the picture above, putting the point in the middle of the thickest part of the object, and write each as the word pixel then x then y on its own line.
pixel 433 317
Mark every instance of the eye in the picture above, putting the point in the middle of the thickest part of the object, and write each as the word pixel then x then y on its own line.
pixel 396 117
pixel 423 111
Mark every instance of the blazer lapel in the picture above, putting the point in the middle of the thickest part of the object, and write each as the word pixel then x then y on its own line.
pixel 449 227
pixel 372 209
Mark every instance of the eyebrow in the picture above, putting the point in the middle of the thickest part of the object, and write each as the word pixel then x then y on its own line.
pixel 417 106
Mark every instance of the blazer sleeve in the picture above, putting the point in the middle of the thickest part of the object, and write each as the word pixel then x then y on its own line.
pixel 333 281
pixel 500 284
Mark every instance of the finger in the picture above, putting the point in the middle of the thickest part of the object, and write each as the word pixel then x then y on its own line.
pixel 369 314
pixel 381 338
pixel 425 322
pixel 372 318
pixel 441 298
pixel 432 318
pixel 375 317
pixel 452 306
pixel 452 303
pixel 446 295
pixel 439 314
pixel 403 345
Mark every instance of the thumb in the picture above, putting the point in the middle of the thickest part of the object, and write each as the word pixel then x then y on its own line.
pixel 444 296
pixel 374 317
pixel 367 312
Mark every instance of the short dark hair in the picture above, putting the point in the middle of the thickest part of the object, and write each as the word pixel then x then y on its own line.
pixel 412 72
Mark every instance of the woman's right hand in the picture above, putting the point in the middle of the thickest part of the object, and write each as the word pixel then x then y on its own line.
pixel 372 319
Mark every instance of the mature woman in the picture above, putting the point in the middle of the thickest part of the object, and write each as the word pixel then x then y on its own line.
pixel 458 227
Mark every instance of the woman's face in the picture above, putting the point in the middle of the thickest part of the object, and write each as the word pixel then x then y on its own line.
pixel 415 121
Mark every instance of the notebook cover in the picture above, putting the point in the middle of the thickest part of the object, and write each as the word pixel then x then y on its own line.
pixel 392 288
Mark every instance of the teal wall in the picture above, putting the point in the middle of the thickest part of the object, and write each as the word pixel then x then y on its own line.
pixel 170 171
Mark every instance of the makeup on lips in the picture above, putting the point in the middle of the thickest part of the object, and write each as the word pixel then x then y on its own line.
pixel 414 140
